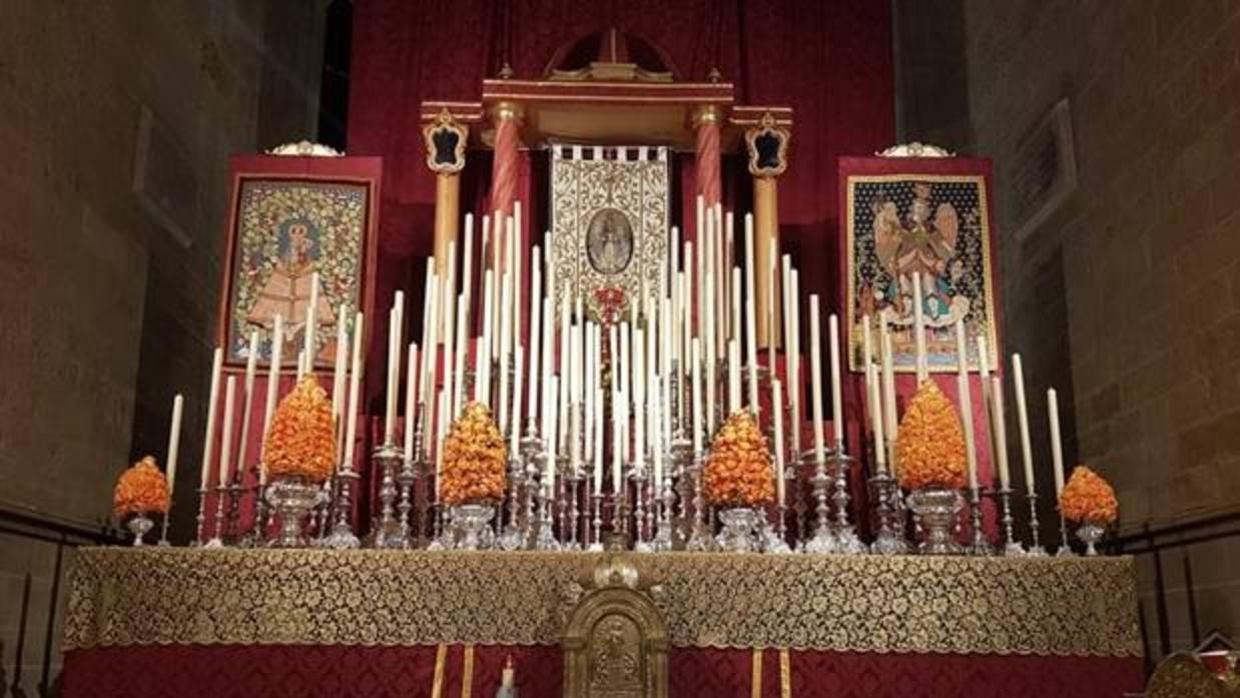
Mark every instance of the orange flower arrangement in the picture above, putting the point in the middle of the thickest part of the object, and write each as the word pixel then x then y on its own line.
pixel 302 440
pixel 738 472
pixel 141 489
pixel 930 444
pixel 474 459
pixel 1088 497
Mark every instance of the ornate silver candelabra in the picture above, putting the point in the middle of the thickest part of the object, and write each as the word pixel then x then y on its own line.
pixel 846 540
pixel 889 536
pixel 700 533
pixel 1011 547
pixel 638 476
pixel 823 540
pixel 1065 550
pixel 387 530
pixel 1035 545
pixel 544 537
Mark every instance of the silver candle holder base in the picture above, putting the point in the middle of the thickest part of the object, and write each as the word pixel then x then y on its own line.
pixel 978 546
pixel 1065 550
pixel 387 532
pixel 700 534
pixel 846 540
pixel 1035 546
pixel 1011 546
pixel 823 540
pixel 889 536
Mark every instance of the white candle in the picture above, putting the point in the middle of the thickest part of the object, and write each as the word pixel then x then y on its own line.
pixel 867 349
pixel 815 369
pixel 482 356
pixel 617 406
pixel 531 405
pixel 301 364
pixel 441 433
pixel 247 410
pixel 273 390
pixel 455 400
pixel 639 399
pixel 656 436
pixel 355 378
pixel 340 369
pixel 1052 411
pixel 966 404
pixel 734 301
pixel 505 343
pixel 574 406
pixel 411 405
pixel 695 366
pixel 447 331
pixel 311 328
pixel 226 441
pixel 983 367
pixel 1022 416
pixel 796 388
pixel 428 317
pixel 996 401
pixel 598 441
pixel 565 371
pixel 734 377
pixel 751 308
pixel 174 444
pixel 777 417
pixel 919 330
pixel 208 441
pixel 514 427
pixel 550 426
pixel 837 400
pixel 393 376
pixel 876 418
pixel 890 424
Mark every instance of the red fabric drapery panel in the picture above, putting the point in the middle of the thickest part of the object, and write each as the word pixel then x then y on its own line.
pixel 830 61
pixel 187 671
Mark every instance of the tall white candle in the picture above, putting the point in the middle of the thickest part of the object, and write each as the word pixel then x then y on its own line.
pixel 273 389
pixel 441 433
pixel 247 410
pixel 174 444
pixel 226 441
pixel 966 403
pixel 340 370
pixel 447 329
pixel 867 350
pixel 656 435
pixel 598 440
pixel 751 309
pixel 734 301
pixel 983 368
pixel 311 328
pixel 548 353
pixel 1022 416
pixel 695 366
pixel 617 406
pixel 208 441
pixel 514 426
pixel 505 342
pixel 996 401
pixel 639 399
pixel 777 417
pixel 796 389
pixel 411 398
pixel 734 376
pixel 549 454
pixel 430 347
pixel 482 355
pixel 1052 411
pixel 531 405
pixel 393 375
pixel 815 369
pixel 837 400
pixel 355 379
pixel 455 399
pixel 890 425
pixel 919 330
pixel 876 418
pixel 565 371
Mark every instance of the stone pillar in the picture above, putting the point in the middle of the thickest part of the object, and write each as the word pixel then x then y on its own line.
pixel 767 146
pixel 445 156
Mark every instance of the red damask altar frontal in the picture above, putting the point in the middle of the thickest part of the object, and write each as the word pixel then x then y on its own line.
pixel 308 623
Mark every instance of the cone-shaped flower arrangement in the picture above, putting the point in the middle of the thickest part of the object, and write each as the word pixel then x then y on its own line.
pixel 474 459
pixel 302 440
pixel 738 472
pixel 1088 497
pixel 930 445
pixel 141 489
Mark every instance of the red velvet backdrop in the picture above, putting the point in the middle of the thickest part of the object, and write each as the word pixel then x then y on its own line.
pixel 830 60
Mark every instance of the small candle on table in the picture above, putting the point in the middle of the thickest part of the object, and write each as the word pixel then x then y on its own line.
pixel 837 399
pixel 355 377
pixel 174 445
pixel 230 394
pixel 1052 411
pixel 966 403
pixel 208 441
pixel 815 369
pixel 1022 417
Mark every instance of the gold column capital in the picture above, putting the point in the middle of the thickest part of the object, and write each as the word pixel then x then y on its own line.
pixel 707 114
pixel 507 111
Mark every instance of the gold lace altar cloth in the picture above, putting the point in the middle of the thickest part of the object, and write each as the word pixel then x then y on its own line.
pixel 1049 606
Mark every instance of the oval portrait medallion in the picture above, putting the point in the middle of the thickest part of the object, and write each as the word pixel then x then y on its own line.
pixel 609 241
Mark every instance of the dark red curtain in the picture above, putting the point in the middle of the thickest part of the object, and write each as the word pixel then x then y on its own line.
pixel 830 60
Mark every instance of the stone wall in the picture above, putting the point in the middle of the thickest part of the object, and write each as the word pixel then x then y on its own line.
pixel 1127 298
pixel 117 122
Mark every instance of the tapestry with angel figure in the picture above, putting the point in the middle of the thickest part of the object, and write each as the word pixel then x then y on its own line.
pixel 296 220
pixel 927 217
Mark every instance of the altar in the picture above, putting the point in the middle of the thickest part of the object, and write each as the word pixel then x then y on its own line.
pixel 309 623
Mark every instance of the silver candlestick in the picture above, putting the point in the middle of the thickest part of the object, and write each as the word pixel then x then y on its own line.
pixel 663 522
pixel 978 546
pixel 202 517
pixel 387 533
pixel 405 481
pixel 1035 545
pixel 681 451
pixel 700 534
pixel 511 537
pixel 342 536
pixel 846 540
pixel 322 516
pixel 596 541
pixel 638 476
pixel 823 541
pixel 1065 550
pixel 544 538
pixel 889 538
pixel 217 537
pixel 1011 547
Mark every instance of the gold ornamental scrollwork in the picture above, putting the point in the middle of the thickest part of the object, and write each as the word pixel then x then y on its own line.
pixel 767 146
pixel 446 139
pixel 1066 607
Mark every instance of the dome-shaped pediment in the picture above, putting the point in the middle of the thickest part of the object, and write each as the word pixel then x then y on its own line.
pixel 610 55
